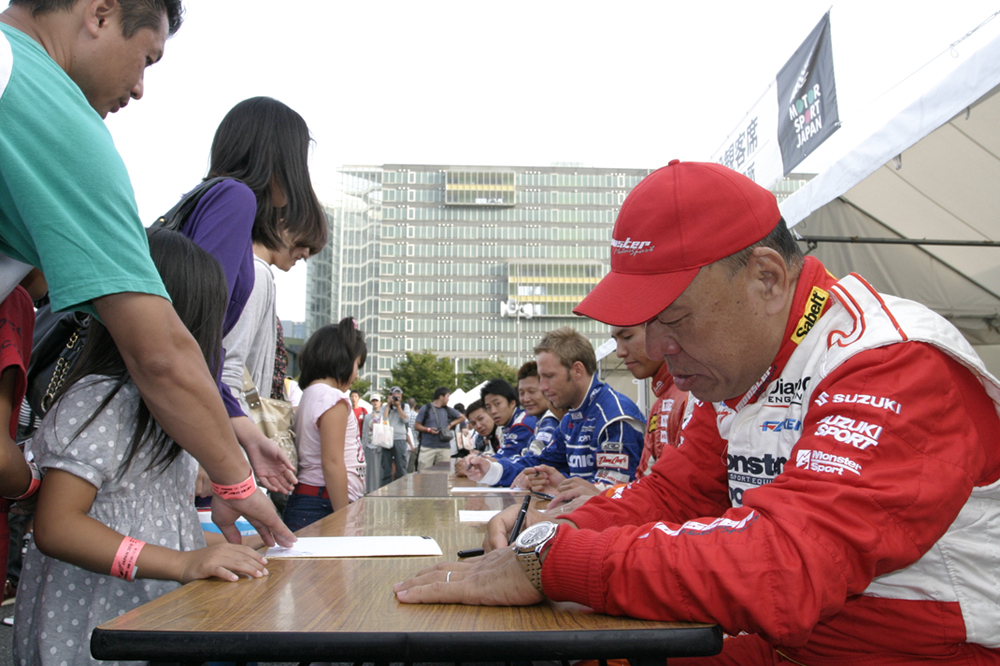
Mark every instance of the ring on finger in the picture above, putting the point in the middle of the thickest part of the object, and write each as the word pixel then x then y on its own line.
pixel 447 578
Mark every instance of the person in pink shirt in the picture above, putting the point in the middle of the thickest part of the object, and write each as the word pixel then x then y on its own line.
pixel 331 459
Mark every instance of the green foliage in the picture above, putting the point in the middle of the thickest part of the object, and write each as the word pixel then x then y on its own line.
pixel 361 386
pixel 420 373
pixel 484 369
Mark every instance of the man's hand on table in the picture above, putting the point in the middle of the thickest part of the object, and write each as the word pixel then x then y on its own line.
pixel 574 488
pixel 540 479
pixel 500 525
pixel 495 579
pixel 477 467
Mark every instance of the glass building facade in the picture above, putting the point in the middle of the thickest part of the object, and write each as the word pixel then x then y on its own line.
pixel 423 256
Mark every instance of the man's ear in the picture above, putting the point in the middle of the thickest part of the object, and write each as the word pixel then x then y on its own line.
pixel 97 15
pixel 577 370
pixel 770 277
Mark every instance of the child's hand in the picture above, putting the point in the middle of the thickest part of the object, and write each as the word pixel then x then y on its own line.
pixel 223 561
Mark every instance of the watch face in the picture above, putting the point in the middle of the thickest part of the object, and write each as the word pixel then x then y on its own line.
pixel 534 535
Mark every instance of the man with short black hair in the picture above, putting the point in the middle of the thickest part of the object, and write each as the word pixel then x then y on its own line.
pixel 67 206
pixel 518 426
pixel 434 423
pixel 835 498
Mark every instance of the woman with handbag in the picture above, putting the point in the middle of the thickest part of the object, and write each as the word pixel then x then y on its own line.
pixel 256 208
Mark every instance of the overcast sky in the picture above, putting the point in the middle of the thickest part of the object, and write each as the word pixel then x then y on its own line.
pixel 607 84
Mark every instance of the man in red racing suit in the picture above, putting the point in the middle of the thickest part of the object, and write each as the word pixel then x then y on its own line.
pixel 835 498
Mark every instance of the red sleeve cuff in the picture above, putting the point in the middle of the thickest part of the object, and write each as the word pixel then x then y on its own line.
pixel 572 567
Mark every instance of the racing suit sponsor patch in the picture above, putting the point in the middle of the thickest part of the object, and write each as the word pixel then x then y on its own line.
pixel 778 426
pixel 786 393
pixel 610 477
pixel 811 313
pixel 876 401
pixel 827 463
pixel 612 460
pixel 859 434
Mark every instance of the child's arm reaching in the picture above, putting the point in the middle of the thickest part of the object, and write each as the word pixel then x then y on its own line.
pixel 332 432
pixel 64 531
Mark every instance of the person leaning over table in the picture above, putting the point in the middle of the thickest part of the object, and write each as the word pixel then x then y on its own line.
pixel 67 208
pixel 487 439
pixel 600 437
pixel 664 424
pixel 852 516
pixel 434 420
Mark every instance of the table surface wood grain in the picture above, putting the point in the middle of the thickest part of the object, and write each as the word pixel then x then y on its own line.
pixel 344 609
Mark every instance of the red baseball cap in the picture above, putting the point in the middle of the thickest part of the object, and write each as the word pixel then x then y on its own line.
pixel 677 219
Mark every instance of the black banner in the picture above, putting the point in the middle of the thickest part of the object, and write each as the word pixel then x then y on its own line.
pixel 807 97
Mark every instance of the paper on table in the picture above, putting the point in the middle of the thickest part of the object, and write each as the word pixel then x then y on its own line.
pixel 468 516
pixel 358 546
pixel 486 489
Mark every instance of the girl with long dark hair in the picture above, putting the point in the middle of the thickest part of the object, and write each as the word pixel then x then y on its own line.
pixel 264 213
pixel 115 501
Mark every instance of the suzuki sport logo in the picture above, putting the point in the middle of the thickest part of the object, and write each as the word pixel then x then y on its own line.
pixel 612 460
pixel 859 434
pixel 860 399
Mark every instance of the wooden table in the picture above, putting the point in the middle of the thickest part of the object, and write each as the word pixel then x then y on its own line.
pixel 432 483
pixel 344 609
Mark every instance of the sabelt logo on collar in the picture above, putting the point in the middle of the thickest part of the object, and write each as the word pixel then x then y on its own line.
pixel 810 315
pixel 629 246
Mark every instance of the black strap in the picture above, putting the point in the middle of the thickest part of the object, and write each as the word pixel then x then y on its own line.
pixel 176 216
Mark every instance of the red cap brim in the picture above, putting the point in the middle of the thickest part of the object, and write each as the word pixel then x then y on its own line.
pixel 628 299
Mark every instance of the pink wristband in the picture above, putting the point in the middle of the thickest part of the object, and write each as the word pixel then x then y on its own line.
pixel 36 481
pixel 239 491
pixel 123 565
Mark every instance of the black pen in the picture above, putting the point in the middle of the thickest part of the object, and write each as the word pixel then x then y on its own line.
pixel 520 520
pixel 544 496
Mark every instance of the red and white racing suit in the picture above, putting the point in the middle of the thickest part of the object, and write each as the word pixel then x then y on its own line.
pixel 665 419
pixel 846 509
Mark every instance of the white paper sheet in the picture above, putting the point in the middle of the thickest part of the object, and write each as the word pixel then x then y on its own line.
pixel 468 516
pixel 472 490
pixel 358 546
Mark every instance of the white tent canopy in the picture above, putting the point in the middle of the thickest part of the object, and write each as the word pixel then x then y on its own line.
pixel 930 170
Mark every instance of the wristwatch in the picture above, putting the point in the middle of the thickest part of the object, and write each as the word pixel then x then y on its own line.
pixel 528 548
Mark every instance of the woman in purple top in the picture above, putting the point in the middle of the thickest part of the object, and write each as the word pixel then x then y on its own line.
pixel 263 146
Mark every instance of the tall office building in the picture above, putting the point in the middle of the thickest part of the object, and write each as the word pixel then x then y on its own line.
pixel 454 259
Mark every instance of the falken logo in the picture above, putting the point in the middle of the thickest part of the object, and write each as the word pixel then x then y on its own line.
pixel 827 463
pixel 787 393
pixel 860 399
pixel 778 426
pixel 814 307
pixel 612 460
pixel 859 434
pixel 631 247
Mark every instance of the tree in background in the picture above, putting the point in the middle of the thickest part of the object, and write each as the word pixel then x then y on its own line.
pixel 420 373
pixel 484 369
pixel 361 386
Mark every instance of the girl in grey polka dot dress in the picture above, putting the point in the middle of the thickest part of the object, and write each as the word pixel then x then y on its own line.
pixel 115 525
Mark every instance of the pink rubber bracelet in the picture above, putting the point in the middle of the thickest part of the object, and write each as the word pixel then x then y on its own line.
pixel 239 491
pixel 36 481
pixel 123 565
